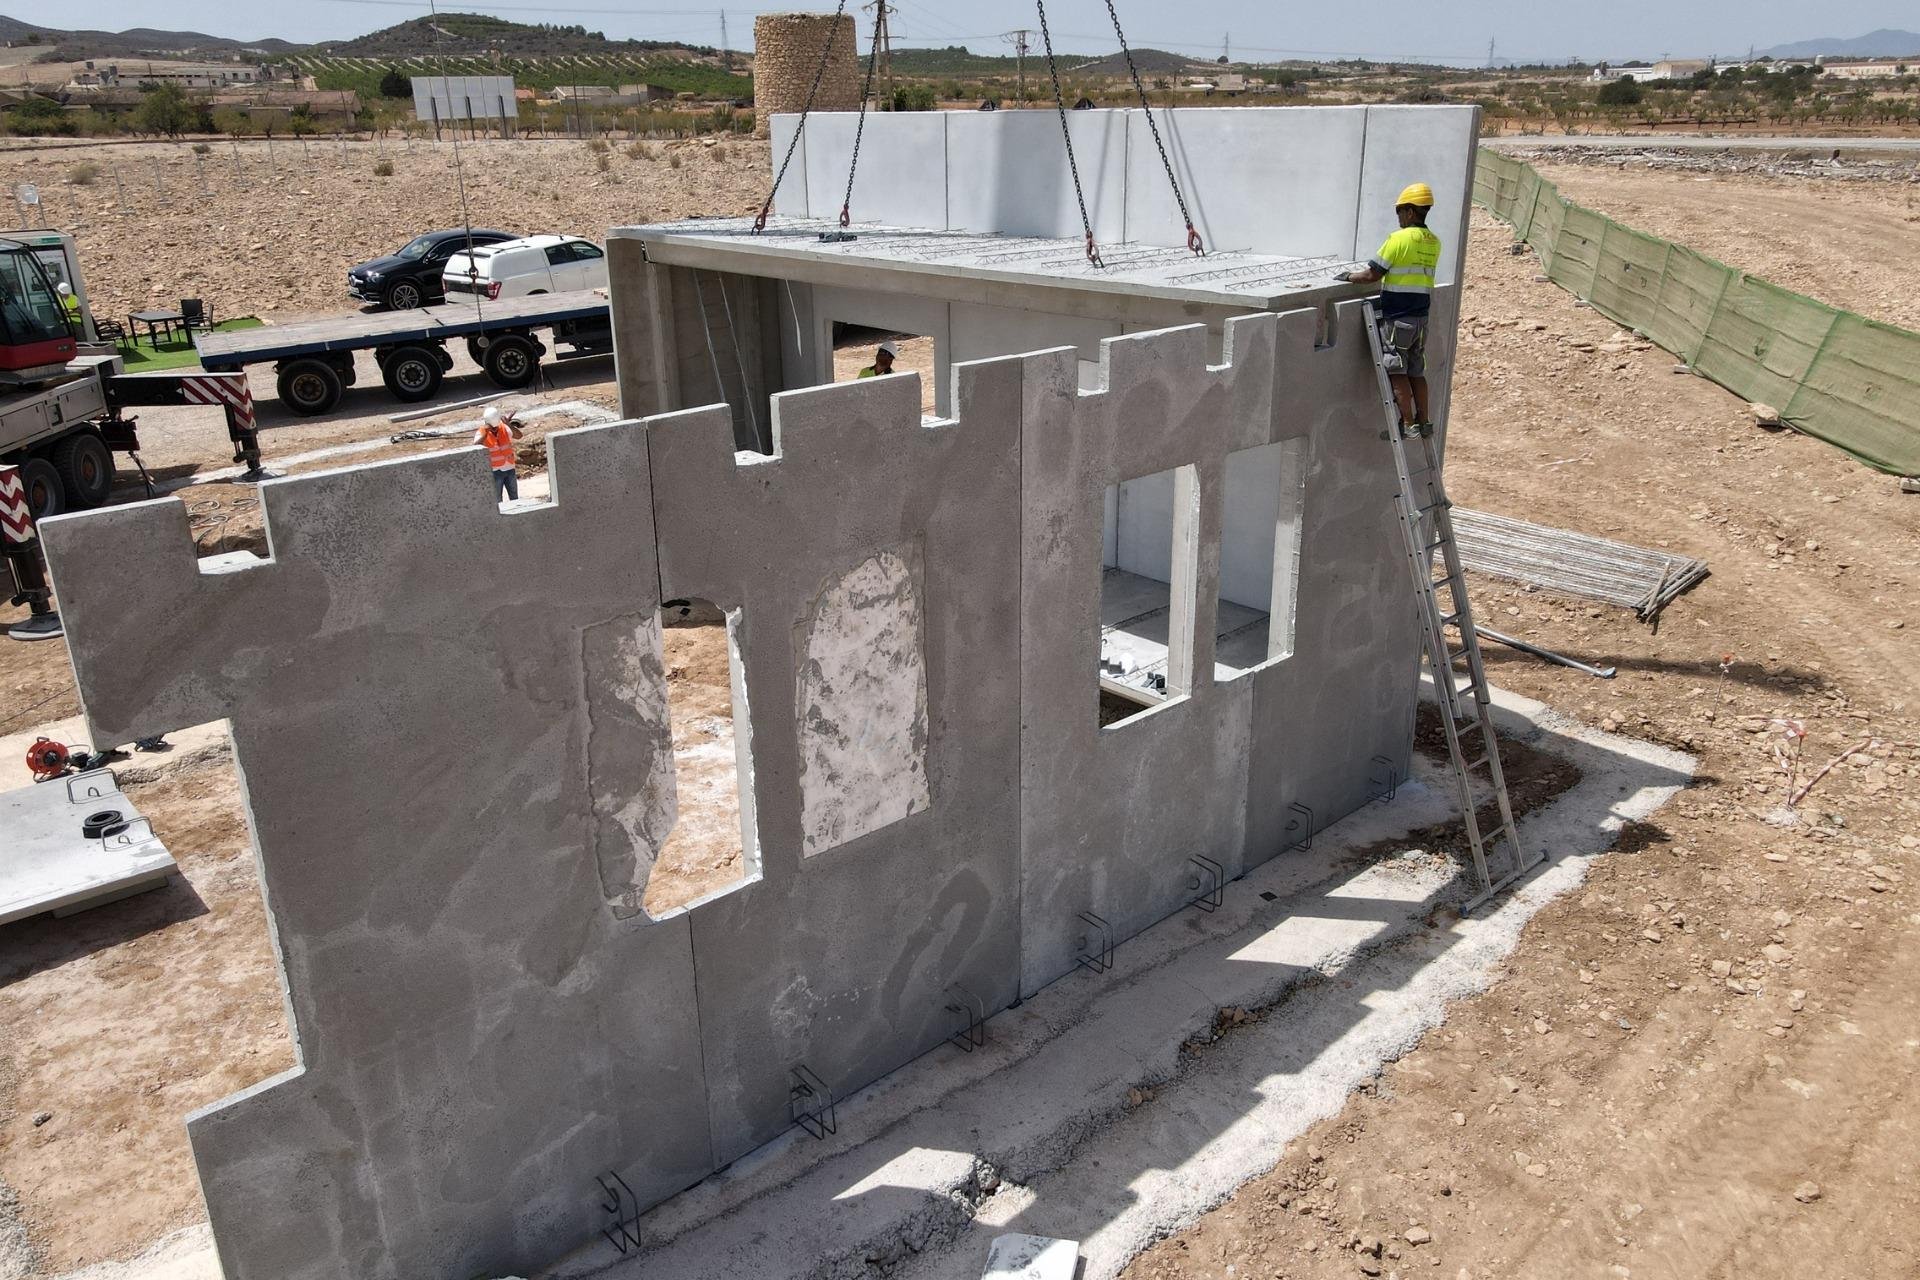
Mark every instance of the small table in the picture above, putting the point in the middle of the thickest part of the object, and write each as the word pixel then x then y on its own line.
pixel 158 323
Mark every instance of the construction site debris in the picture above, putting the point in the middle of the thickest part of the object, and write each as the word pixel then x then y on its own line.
pixel 1785 163
pixel 1574 564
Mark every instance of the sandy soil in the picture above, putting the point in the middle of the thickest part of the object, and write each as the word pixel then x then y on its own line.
pixel 1840 242
pixel 1722 1015
pixel 1705 1063
pixel 117 1022
pixel 279 229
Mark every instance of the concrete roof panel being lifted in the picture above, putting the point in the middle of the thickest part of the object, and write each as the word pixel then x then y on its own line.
pixel 1049 273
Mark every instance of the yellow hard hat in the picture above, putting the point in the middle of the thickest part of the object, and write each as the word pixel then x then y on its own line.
pixel 1419 193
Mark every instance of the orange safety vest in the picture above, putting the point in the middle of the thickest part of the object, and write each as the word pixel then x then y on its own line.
pixel 499 442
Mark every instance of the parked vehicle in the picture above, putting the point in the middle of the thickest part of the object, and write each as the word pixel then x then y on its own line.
pixel 410 276
pixel 518 268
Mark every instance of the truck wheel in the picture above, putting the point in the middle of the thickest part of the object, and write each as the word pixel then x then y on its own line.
pixel 512 361
pixel 46 496
pixel 412 373
pixel 308 386
pixel 86 469
pixel 477 348
pixel 404 295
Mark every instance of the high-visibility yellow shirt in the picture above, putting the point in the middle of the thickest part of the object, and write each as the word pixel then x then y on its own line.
pixel 1408 262
pixel 72 304
pixel 868 372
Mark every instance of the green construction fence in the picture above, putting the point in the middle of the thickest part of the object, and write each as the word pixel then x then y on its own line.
pixel 1840 377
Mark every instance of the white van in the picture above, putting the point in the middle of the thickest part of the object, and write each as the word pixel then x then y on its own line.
pixel 518 268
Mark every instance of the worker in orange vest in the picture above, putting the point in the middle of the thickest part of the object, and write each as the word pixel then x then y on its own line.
pixel 497 432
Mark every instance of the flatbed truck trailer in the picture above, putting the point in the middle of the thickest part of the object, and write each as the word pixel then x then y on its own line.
pixel 63 392
pixel 313 360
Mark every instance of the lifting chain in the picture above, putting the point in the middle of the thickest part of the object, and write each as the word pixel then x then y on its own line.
pixel 1146 108
pixel 1073 167
pixel 819 74
pixel 859 128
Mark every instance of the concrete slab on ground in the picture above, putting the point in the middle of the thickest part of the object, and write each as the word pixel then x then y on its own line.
pixel 52 864
pixel 1022 1257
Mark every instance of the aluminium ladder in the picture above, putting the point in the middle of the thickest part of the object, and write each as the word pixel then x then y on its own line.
pixel 1426 526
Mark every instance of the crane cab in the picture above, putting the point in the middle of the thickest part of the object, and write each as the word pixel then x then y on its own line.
pixel 37 338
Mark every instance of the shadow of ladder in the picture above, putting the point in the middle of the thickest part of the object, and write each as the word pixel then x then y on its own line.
pixel 724 354
pixel 1426 526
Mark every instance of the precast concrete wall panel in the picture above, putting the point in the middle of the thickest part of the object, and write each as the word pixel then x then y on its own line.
pixel 792 199
pixel 902 175
pixel 417 683
pixel 1267 179
pixel 1109 817
pixel 1434 145
pixel 1007 171
pixel 1347 693
pixel 842 961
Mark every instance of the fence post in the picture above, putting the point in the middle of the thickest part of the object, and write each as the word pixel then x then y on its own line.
pixel 1599 250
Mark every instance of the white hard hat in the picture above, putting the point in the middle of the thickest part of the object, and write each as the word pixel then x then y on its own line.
pixel 888 349
pixel 490 415
pixel 64 288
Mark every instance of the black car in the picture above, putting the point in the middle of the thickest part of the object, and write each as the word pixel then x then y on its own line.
pixel 411 277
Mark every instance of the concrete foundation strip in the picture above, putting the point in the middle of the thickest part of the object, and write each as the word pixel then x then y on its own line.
pixel 931 1165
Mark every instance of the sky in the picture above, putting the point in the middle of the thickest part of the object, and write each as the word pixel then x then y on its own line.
pixel 1456 31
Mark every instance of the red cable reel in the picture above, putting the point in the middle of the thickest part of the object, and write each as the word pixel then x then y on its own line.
pixel 47 759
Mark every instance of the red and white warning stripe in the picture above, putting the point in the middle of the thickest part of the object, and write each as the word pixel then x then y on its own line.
pixel 228 389
pixel 16 518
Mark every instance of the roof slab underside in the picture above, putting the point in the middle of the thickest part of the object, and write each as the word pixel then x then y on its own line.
pixel 956 263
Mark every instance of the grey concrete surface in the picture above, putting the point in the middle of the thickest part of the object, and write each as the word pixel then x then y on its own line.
pixel 1296 181
pixel 414 716
pixel 50 864
pixel 842 962
pixel 1033 1132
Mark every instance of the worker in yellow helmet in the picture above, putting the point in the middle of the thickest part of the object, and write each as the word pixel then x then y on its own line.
pixel 1405 266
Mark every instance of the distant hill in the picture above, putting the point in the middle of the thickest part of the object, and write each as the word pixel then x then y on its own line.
pixel 470 35
pixel 1883 43
pixel 72 46
pixel 955 60
pixel 1150 62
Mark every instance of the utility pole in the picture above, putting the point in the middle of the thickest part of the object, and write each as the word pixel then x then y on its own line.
pixel 1019 39
pixel 726 49
pixel 880 11
pixel 1490 54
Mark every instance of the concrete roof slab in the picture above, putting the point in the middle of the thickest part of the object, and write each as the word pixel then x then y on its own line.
pixel 1046 270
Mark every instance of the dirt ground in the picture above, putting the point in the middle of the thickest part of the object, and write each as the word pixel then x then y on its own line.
pixel 1840 242
pixel 1704 1064
pixel 272 232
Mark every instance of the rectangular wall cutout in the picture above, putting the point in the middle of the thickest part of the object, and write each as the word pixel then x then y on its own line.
pixel 711 844
pixel 856 348
pixel 1265 498
pixel 1147 566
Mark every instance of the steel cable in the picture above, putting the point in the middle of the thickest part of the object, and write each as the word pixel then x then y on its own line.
pixel 819 74
pixel 1066 133
pixel 1146 107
